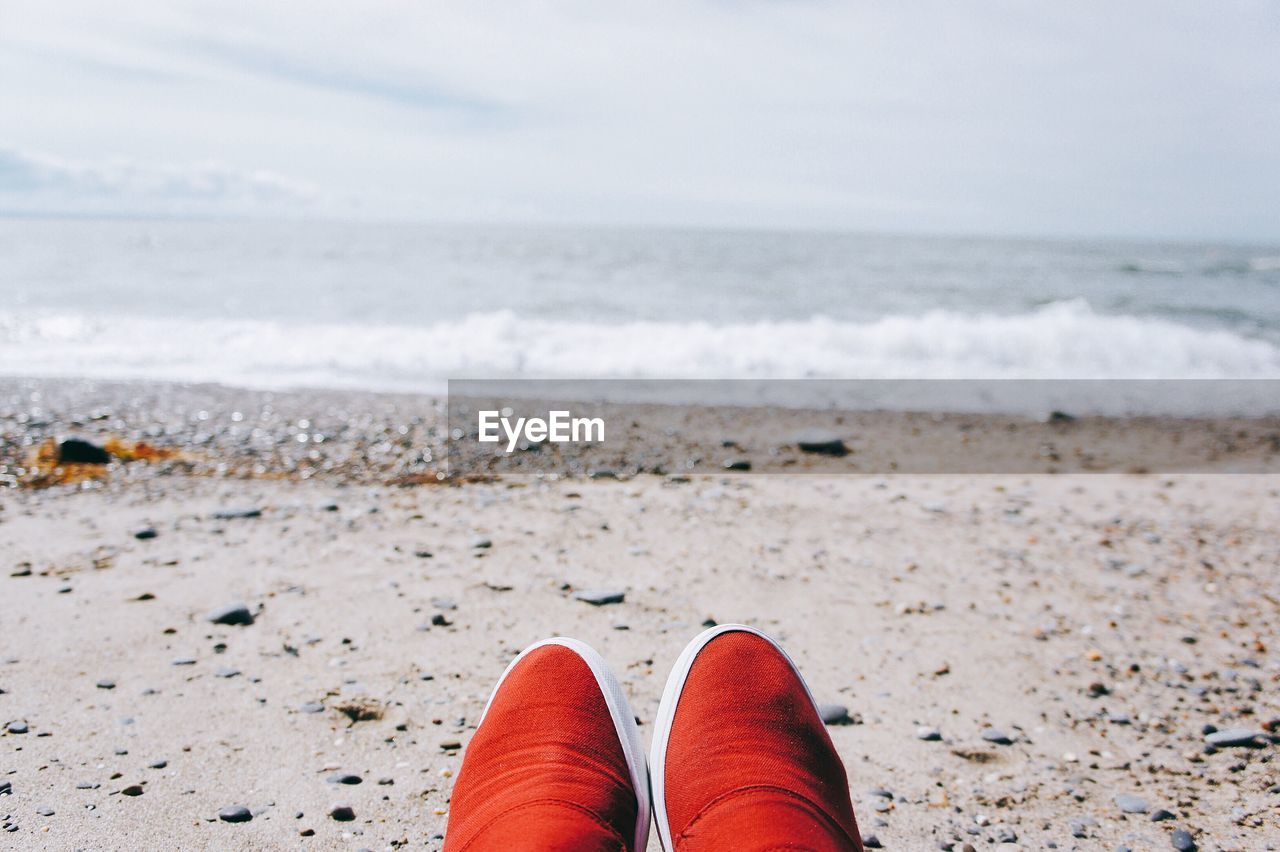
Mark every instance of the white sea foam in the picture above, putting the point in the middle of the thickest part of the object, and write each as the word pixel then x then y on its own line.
pixel 1061 340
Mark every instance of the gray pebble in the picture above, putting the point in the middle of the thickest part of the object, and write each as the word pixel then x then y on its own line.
pixel 1160 815
pixel 1182 841
pixel 1131 804
pixel 929 735
pixel 870 841
pixel 312 707
pixel 997 736
pixel 834 714
pixel 45 811
pixel 235 813
pixel 226 672
pixel 236 612
pixel 158 764
pixel 481 543
pixel 344 778
pixel 237 513
pixel 600 597
pixel 1236 737
pixel 184 661
pixel 17 726
pixel 1005 834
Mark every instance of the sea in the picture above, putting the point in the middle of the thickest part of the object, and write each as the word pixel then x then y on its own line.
pixel 406 307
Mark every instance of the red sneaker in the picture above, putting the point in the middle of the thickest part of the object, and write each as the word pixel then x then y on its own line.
pixel 557 762
pixel 740 758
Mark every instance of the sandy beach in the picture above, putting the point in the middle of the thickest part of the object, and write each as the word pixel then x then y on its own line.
pixel 1025 660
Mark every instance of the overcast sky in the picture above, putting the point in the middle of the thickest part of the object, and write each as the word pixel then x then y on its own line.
pixel 1141 118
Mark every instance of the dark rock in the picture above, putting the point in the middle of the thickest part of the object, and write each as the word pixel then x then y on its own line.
pixel 132 790
pixel 600 597
pixel 235 813
pixel 1005 834
pixel 236 612
pixel 226 672
pixel 821 442
pixel 834 714
pixel 344 778
pixel 422 553
pixel 481 543
pixel 106 684
pixel 184 661
pixel 1236 738
pixel 929 735
pixel 76 451
pixel 737 464
pixel 1182 841
pixel 1131 804
pixel 6 788
pixel 145 533
pixel 342 813
pixel 870 841
pixel 1160 815
pixel 158 764
pixel 439 619
pixel 237 513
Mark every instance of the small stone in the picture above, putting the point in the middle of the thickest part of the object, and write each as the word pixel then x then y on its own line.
pixel 344 778
pixel 600 597
pixel 17 726
pixel 386 781
pixel 132 790
pixel 106 684
pixel 226 672
pixel 145 533
pixel 184 661
pixel 929 735
pixel 1236 738
pixel 997 736
pixel 1005 834
pixel 158 764
pixel 237 513
pixel 342 813
pixel 312 707
pixel 236 612
pixel 45 811
pixel 235 813
pixel 6 788
pixel 76 451
pixel 834 714
pixel 422 553
pixel 870 841
pixel 439 619
pixel 1182 841
pixel 1160 815
pixel 737 464
pixel 450 745
pixel 481 543
pixel 821 442
pixel 307 832
pixel 87 785
pixel 1131 804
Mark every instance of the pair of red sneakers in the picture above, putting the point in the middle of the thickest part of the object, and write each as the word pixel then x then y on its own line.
pixel 740 759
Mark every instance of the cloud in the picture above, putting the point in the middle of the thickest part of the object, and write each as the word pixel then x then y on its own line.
pixel 41 182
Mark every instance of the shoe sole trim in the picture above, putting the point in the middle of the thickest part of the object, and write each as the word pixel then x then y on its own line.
pixel 667 715
pixel 624 722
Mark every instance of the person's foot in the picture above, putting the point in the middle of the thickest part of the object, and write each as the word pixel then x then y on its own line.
pixel 740 758
pixel 556 763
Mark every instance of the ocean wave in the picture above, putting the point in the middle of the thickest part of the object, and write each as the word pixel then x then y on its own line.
pixel 1060 340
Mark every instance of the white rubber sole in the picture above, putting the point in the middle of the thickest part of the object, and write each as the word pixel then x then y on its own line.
pixel 667 714
pixel 624 723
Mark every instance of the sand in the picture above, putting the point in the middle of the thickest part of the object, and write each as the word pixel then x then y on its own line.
pixel 1099 621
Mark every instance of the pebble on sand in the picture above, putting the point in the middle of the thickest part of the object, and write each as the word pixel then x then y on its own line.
pixel 997 736
pixel 1131 804
pixel 821 442
pixel 929 735
pixel 600 597
pixel 145 533
pixel 235 813
pixel 342 813
pixel 1182 841
pixel 45 810
pixel 106 683
pixel 834 714
pixel 132 790
pixel 344 778
pixel 235 513
pixel 236 612
pixel 1236 738
pixel 17 726
pixel 76 451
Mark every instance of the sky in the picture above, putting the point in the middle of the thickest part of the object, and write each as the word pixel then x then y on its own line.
pixel 1148 118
